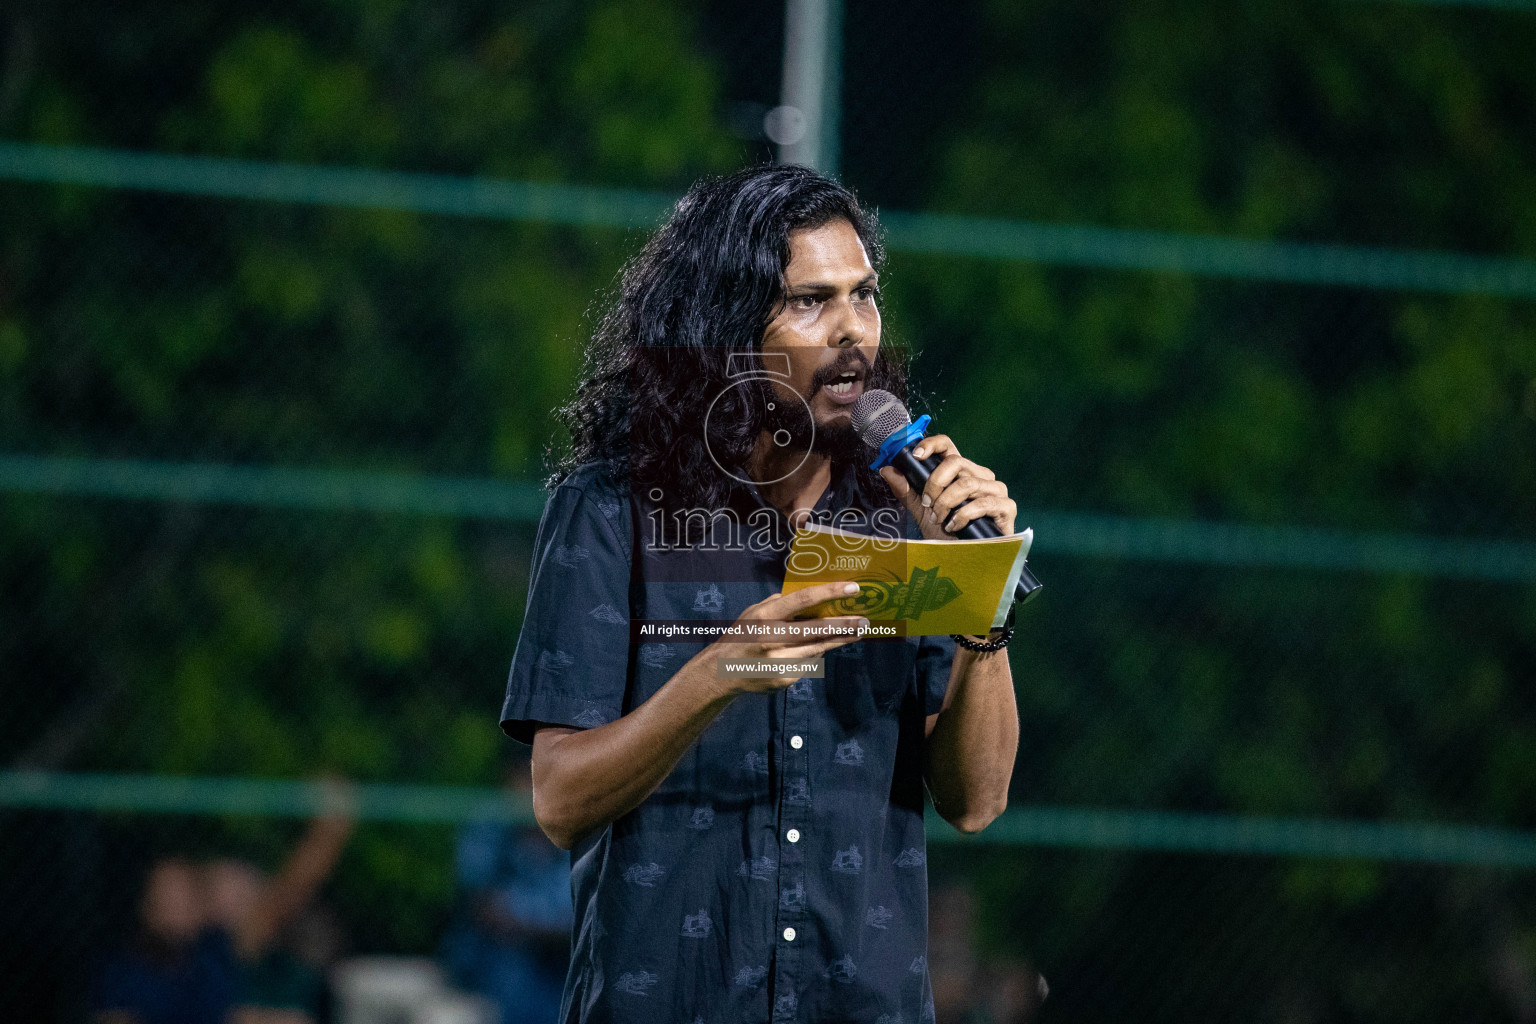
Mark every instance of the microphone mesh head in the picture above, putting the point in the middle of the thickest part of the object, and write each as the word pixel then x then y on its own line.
pixel 877 415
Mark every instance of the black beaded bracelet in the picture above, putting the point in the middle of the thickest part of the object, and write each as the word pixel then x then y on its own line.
pixel 997 643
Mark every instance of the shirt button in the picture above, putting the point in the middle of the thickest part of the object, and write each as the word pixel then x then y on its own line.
pixel 796 742
pixel 789 935
pixel 793 835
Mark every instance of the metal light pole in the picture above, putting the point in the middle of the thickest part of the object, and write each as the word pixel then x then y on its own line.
pixel 806 125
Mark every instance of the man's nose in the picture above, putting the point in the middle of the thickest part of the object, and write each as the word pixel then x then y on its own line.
pixel 848 329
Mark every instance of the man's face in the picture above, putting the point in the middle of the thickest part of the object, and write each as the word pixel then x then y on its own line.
pixel 829 327
pixel 234 891
pixel 172 906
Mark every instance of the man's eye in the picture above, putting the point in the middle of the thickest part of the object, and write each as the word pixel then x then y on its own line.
pixel 803 301
pixel 867 294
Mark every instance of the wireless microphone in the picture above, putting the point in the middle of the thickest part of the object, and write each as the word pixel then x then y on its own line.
pixel 884 424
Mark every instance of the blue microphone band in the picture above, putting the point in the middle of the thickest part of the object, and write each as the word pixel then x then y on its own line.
pixel 899 440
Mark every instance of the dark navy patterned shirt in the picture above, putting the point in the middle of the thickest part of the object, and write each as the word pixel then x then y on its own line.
pixel 779 873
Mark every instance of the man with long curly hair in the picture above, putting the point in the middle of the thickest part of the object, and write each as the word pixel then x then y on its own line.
pixel 745 849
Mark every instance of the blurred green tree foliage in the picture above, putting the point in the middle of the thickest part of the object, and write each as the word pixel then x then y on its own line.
pixel 1258 691
pixel 204 640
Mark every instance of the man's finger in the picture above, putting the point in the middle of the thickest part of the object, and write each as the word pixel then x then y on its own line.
pixel 773 606
pixel 788 604
pixel 903 491
pixel 938 444
pixel 898 483
pixel 965 488
pixel 942 477
pixel 847 622
pixel 811 650
pixel 987 505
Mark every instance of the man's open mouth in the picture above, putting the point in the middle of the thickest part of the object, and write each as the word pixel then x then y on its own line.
pixel 846 386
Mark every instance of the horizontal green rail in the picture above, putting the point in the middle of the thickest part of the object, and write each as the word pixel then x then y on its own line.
pixel 1084 829
pixel 1233 544
pixel 1277 837
pixel 1289 262
pixel 1507 5
pixel 160 794
pixel 318 489
pixel 1057 533
pixel 939 234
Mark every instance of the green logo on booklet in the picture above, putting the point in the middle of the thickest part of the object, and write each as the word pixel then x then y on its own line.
pixel 895 598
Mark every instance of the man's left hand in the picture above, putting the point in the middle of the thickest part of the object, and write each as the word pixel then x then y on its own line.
pixel 955 480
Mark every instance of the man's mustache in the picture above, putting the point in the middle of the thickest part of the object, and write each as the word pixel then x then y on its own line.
pixel 850 359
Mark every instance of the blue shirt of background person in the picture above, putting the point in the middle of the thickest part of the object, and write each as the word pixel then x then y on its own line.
pixel 176 971
pixel 510 939
pixel 207 949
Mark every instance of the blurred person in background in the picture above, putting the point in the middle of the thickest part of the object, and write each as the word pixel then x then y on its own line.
pixel 276 985
pixel 177 970
pixel 968 989
pixel 209 949
pixel 509 940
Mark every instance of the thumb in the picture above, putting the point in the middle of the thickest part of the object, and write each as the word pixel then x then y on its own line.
pixel 898 485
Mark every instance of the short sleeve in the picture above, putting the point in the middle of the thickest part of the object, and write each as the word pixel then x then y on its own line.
pixel 935 656
pixel 571 663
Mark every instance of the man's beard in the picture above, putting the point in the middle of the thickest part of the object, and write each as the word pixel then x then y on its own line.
pixel 788 413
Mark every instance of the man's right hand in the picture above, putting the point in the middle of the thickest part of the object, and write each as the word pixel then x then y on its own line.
pixel 584 779
pixel 780 607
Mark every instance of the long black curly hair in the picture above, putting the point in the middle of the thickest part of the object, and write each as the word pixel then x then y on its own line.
pixel 705 286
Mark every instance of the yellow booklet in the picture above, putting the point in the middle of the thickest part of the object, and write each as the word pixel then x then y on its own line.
pixel 912 587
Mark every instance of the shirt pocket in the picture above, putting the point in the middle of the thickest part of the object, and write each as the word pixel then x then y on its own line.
pixel 869 679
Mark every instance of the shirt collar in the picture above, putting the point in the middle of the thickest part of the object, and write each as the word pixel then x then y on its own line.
pixel 838 495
